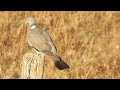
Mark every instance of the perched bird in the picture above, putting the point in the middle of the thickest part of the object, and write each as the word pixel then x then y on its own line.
pixel 40 40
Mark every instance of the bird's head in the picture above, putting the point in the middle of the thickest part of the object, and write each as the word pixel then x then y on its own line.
pixel 31 22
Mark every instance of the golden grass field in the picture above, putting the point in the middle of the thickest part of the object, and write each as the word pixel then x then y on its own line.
pixel 89 42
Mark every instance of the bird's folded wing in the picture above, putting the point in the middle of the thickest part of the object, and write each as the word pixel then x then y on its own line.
pixel 49 40
pixel 40 46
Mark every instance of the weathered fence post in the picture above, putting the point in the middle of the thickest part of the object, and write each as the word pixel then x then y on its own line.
pixel 32 66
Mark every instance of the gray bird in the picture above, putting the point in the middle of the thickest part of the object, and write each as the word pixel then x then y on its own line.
pixel 40 40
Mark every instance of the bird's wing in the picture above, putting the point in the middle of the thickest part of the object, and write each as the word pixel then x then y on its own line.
pixel 38 40
pixel 49 40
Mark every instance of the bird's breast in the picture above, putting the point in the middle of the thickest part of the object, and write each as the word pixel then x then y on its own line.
pixel 36 36
pixel 29 30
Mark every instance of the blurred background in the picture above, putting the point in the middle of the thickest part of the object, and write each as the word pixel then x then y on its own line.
pixel 89 42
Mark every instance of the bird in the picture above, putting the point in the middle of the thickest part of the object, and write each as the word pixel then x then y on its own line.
pixel 42 43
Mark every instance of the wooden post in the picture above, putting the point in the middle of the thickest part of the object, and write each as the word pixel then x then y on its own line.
pixel 32 66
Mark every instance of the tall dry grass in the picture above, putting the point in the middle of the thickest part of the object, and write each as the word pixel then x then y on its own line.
pixel 88 41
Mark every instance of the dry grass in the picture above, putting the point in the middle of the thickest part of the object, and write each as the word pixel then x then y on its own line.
pixel 88 41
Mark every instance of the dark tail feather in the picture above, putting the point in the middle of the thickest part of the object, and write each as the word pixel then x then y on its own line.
pixel 61 65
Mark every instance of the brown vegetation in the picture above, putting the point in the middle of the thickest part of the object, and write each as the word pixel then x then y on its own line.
pixel 89 42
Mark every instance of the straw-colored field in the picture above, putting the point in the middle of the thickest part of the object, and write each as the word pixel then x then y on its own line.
pixel 89 42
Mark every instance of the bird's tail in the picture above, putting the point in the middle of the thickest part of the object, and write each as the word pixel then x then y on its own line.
pixel 59 63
